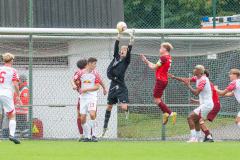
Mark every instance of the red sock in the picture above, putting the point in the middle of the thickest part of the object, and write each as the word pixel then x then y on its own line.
pixel 164 108
pixel 80 129
pixel 206 132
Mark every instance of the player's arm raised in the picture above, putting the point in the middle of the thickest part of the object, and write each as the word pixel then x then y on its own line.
pixel 116 46
pixel 131 41
pixel 150 64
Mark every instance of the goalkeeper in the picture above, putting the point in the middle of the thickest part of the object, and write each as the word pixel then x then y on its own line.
pixel 118 92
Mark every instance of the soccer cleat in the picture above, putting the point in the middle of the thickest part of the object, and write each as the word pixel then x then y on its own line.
pixel 86 140
pixel 14 140
pixel 192 140
pixel 104 132
pixel 208 138
pixel 80 139
pixel 165 118
pixel 94 139
pixel 174 117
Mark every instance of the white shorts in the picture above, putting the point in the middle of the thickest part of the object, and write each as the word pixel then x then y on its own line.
pixel 7 104
pixel 88 105
pixel 203 110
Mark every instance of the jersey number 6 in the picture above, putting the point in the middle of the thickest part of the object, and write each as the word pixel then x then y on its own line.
pixel 1 77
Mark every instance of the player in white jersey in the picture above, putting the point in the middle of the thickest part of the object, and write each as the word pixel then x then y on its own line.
pixel 233 89
pixel 8 84
pixel 204 91
pixel 90 83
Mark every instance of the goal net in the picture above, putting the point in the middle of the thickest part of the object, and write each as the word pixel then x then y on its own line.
pixel 53 113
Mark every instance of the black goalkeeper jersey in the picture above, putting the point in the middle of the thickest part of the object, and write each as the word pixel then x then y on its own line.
pixel 117 68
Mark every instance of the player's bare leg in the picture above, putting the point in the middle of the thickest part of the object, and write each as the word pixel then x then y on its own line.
pixel 12 127
pixel 79 124
pixel 86 130
pixel 92 125
pixel 124 107
pixel 208 135
pixel 191 122
pixel 238 120
pixel 107 117
pixel 166 111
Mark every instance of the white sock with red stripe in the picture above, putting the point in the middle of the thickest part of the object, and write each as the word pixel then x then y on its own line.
pixel 12 127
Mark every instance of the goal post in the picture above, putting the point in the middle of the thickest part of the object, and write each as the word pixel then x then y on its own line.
pixel 55 52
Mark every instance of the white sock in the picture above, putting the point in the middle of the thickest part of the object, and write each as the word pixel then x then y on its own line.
pixel 238 124
pixel 12 127
pixel 92 124
pixel 198 134
pixel 193 133
pixel 86 130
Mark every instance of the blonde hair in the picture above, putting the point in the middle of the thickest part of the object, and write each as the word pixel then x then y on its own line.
pixel 200 67
pixel 168 46
pixel 7 57
pixel 124 47
pixel 235 71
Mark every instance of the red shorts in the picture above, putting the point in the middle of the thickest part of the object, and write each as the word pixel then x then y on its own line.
pixel 213 113
pixel 159 88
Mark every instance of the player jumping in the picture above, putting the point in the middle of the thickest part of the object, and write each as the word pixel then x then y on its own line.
pixel 161 72
pixel 89 80
pixel 233 89
pixel 212 114
pixel 9 81
pixel 118 92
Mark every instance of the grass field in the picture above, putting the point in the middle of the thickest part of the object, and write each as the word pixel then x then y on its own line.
pixel 73 150
pixel 148 125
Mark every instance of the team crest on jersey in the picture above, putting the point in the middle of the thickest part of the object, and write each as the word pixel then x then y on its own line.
pixel 87 81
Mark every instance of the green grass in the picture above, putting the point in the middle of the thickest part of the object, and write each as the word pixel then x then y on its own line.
pixel 72 150
pixel 148 125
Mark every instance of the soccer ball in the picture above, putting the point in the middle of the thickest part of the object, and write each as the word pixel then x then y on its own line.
pixel 121 27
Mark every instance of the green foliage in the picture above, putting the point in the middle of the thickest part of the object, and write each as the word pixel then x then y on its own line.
pixel 178 13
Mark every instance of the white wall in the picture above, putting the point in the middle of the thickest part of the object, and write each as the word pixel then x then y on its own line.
pixel 51 86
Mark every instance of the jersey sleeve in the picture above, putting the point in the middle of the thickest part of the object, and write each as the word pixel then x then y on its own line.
pixel 201 84
pixel 116 48
pixel 98 78
pixel 231 86
pixel 161 60
pixel 15 76
pixel 128 57
pixel 77 75
pixel 193 79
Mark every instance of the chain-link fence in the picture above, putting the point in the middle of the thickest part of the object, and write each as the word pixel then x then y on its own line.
pixel 49 63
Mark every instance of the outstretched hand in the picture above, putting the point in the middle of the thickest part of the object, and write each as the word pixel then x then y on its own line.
pixel 144 59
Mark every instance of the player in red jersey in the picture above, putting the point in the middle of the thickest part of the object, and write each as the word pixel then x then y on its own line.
pixel 8 82
pixel 212 114
pixel 161 73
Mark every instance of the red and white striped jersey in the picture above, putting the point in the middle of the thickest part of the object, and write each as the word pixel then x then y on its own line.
pixel 203 84
pixel 88 80
pixel 235 87
pixel 7 76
